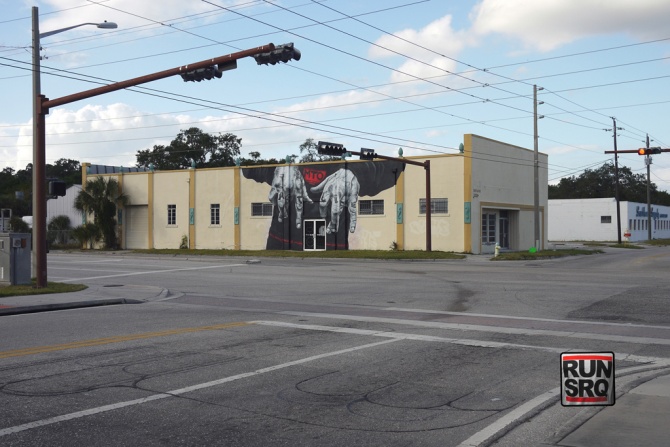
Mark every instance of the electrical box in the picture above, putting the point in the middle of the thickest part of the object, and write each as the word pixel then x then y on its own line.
pixel 15 258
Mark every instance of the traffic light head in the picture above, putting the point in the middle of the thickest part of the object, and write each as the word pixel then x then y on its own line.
pixel 649 151
pixel 281 53
pixel 368 154
pixel 325 148
pixel 57 188
pixel 215 71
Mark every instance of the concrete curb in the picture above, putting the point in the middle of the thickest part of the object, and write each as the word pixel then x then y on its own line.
pixel 20 310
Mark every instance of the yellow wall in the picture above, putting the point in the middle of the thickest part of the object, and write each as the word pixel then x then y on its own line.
pixel 376 232
pixel 170 187
pixel 214 186
pixel 253 230
pixel 447 180
pixel 135 186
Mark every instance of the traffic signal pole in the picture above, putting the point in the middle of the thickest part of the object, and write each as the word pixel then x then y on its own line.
pixel 647 152
pixel 336 149
pixel 647 161
pixel 426 167
pixel 44 104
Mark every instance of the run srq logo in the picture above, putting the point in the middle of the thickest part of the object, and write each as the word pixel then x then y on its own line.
pixel 587 378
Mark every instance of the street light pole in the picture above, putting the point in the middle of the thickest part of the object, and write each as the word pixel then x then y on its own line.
pixel 39 152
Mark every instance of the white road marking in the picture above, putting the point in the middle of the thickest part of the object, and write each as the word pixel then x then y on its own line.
pixel 550 320
pixel 173 393
pixel 152 272
pixel 513 416
pixel 620 356
pixel 482 328
pixel 481 436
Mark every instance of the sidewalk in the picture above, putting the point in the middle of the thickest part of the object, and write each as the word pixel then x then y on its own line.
pixel 639 418
pixel 93 296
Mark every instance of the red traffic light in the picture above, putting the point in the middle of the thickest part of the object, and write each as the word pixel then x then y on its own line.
pixel 649 151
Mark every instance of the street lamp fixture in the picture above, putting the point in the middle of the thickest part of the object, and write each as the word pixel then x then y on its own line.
pixel 39 156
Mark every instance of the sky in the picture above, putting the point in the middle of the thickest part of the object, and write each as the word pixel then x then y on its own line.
pixel 381 74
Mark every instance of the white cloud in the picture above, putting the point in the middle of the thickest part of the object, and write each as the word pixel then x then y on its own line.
pixel 431 48
pixel 126 13
pixel 438 36
pixel 108 135
pixel 548 24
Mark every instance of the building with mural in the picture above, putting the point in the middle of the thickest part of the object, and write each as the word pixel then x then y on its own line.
pixel 595 220
pixel 480 197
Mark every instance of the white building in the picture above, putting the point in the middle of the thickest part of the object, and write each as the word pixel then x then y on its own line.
pixel 64 206
pixel 595 220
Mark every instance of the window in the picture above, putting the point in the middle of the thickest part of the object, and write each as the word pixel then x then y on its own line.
pixel 437 206
pixel 605 219
pixel 261 209
pixel 367 207
pixel 172 215
pixel 214 216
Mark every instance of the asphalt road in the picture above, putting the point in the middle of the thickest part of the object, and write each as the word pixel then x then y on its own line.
pixel 260 352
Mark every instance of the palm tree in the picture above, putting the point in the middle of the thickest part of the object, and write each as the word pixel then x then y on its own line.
pixel 86 234
pixel 57 230
pixel 101 198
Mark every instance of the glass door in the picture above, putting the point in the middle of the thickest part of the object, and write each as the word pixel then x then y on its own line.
pixel 503 229
pixel 488 232
pixel 314 235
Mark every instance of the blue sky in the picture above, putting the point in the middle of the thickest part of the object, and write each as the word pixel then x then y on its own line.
pixel 378 74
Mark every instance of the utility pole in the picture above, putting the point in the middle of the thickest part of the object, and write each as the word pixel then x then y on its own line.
pixel 647 161
pixel 616 184
pixel 536 174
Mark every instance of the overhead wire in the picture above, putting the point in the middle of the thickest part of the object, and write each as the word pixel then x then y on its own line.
pixel 471 120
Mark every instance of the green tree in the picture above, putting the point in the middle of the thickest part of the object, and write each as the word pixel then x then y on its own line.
pixel 601 183
pixel 17 225
pixel 256 160
pixel 101 198
pixel 192 146
pixel 87 234
pixel 58 230
pixel 66 170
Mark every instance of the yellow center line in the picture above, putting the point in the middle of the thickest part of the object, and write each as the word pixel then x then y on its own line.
pixel 117 339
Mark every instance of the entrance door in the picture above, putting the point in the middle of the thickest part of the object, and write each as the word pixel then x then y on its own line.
pixel 314 236
pixel 488 232
pixel 503 229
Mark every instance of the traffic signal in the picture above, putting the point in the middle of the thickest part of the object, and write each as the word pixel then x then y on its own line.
pixel 57 188
pixel 281 53
pixel 649 151
pixel 325 148
pixel 215 71
pixel 368 154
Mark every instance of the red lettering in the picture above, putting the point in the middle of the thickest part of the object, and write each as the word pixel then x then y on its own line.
pixel 313 176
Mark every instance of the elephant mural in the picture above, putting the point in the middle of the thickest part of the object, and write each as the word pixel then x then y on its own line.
pixel 328 191
pixel 288 182
pixel 338 189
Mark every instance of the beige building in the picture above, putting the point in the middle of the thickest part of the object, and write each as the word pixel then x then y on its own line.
pixel 481 197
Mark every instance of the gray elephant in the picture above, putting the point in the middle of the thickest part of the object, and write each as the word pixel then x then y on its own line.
pixel 288 181
pixel 337 190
